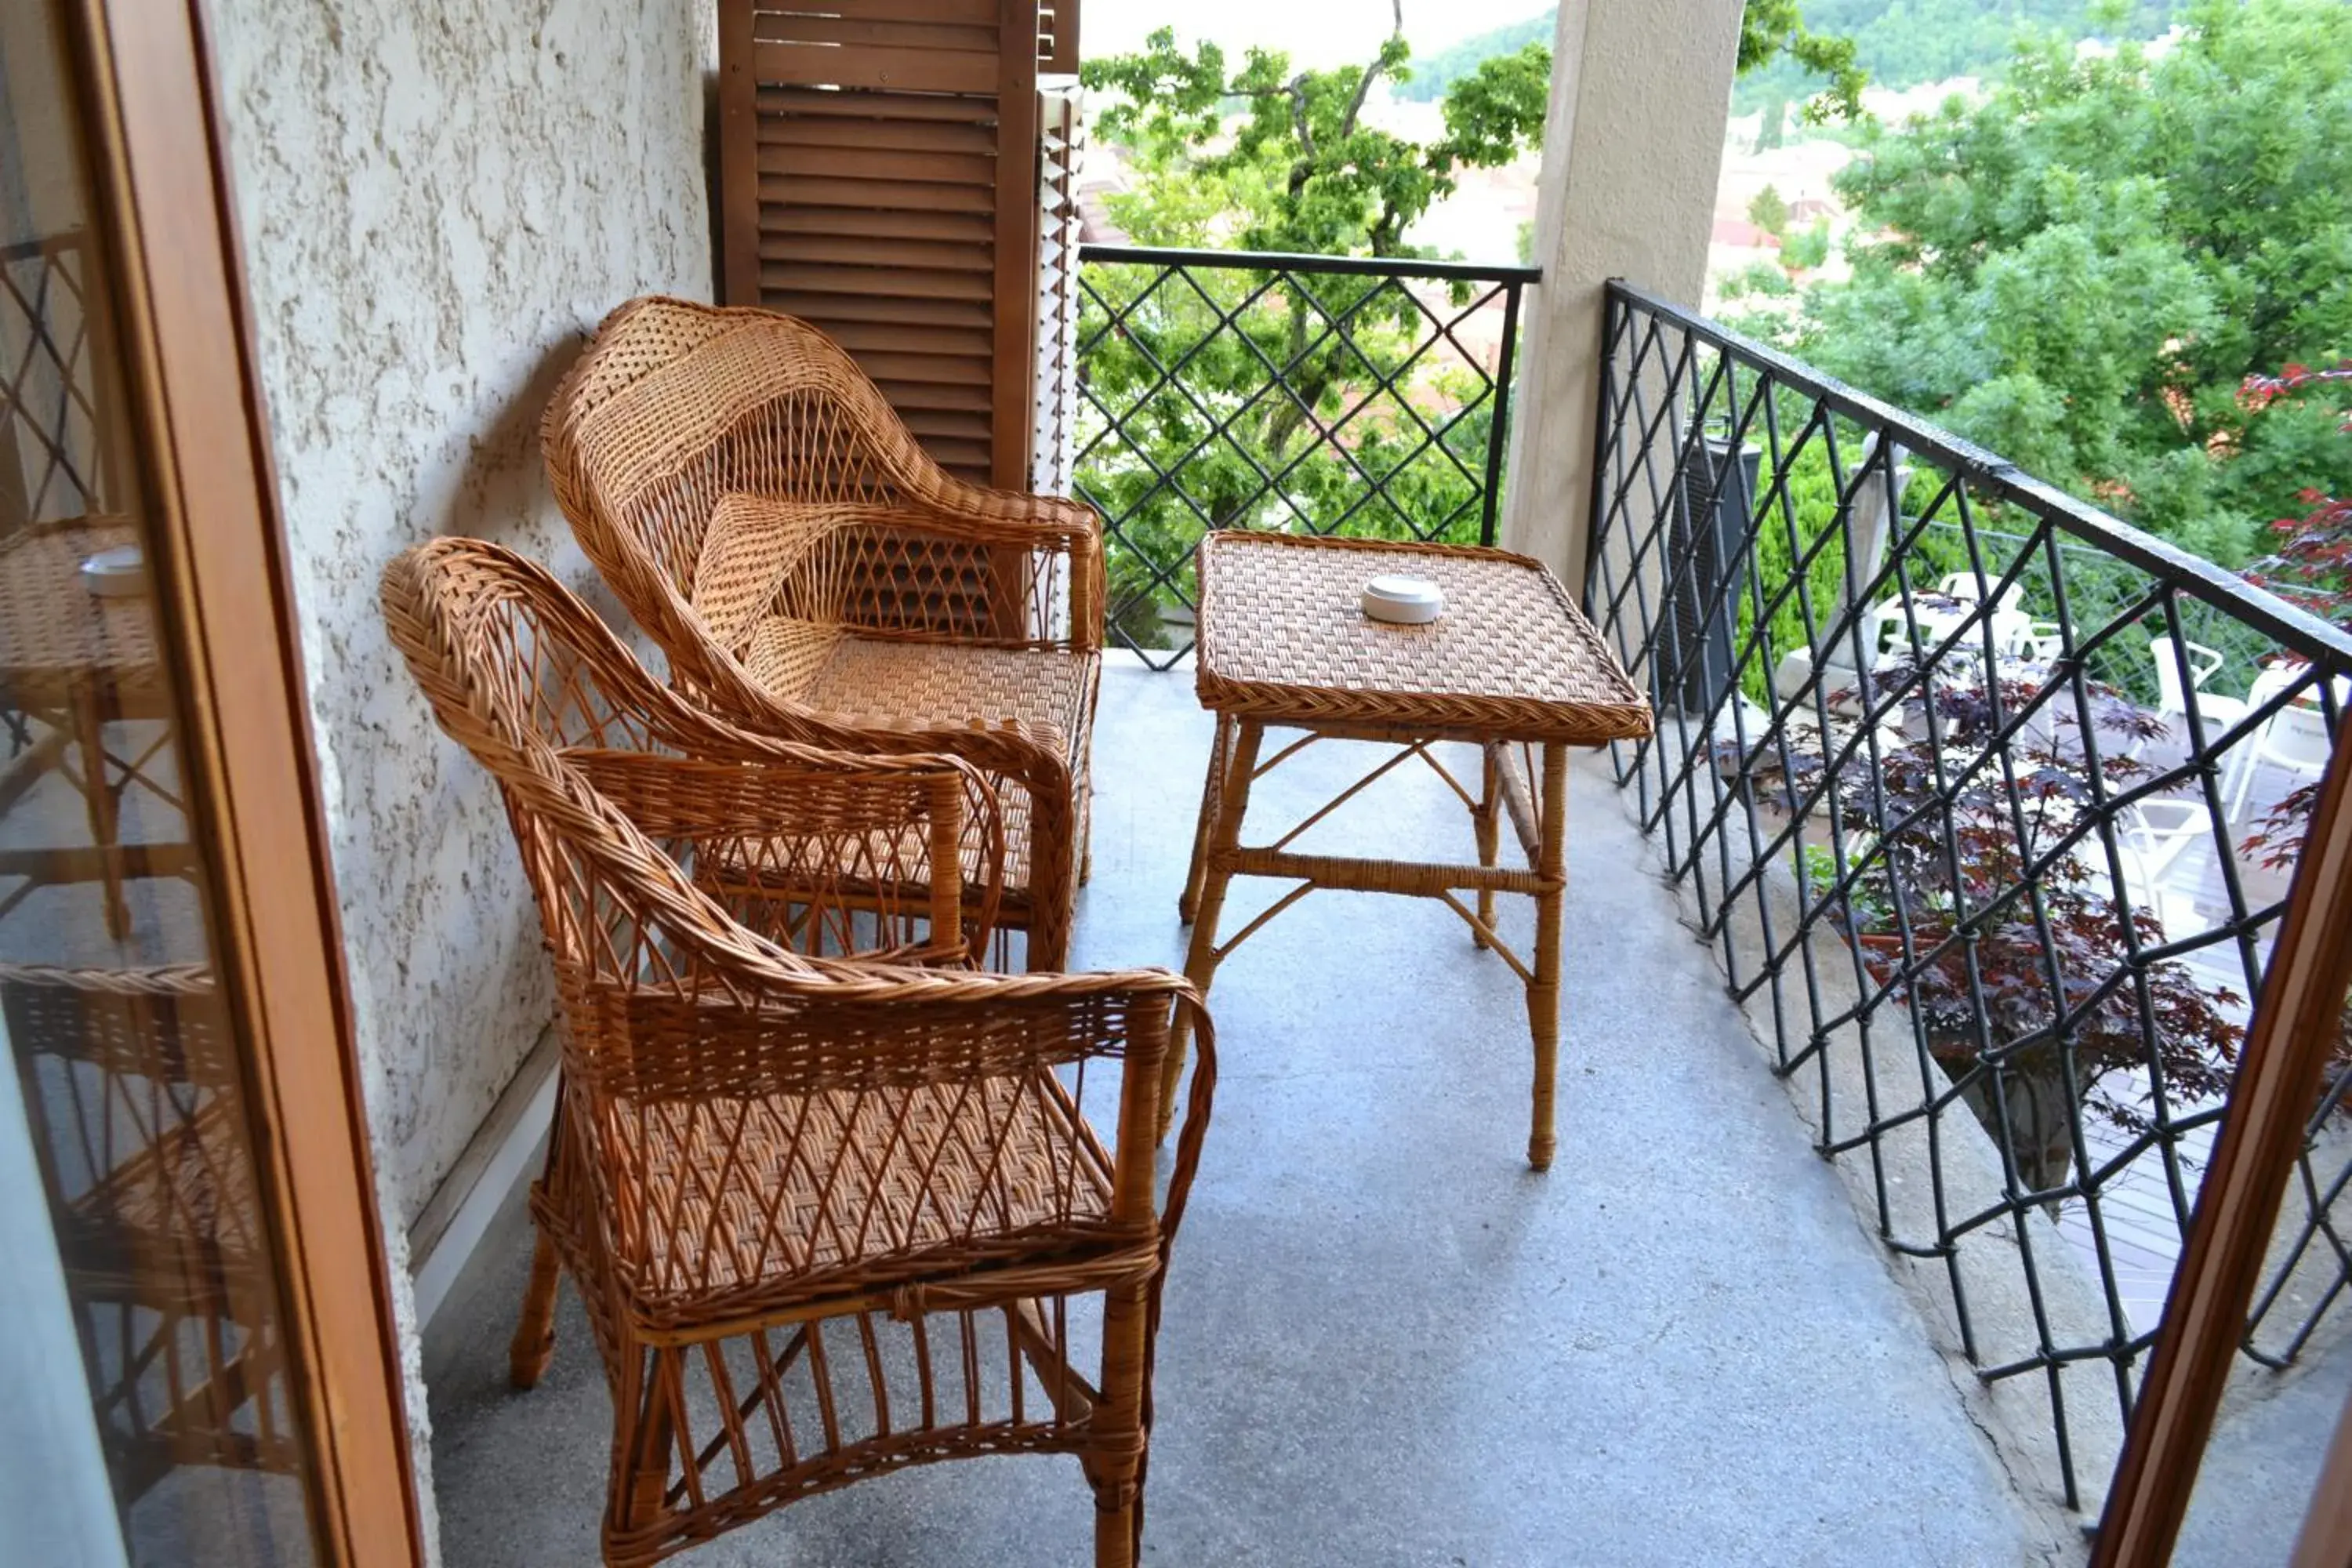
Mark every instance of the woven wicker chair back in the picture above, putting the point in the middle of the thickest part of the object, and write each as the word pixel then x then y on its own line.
pixel 737 467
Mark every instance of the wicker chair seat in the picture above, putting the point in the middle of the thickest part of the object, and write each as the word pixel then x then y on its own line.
pixel 888 684
pixel 929 686
pixel 843 1190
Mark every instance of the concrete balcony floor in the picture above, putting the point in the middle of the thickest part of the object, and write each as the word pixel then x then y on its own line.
pixel 1386 1341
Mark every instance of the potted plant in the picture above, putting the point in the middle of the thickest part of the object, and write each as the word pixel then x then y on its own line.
pixel 1978 897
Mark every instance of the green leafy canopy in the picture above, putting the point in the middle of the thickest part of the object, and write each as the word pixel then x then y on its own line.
pixel 1301 171
pixel 2081 271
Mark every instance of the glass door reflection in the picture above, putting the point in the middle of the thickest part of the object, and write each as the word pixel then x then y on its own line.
pixel 126 1053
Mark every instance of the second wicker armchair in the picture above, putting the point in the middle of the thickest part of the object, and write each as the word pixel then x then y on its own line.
pixel 830 1216
pixel 810 573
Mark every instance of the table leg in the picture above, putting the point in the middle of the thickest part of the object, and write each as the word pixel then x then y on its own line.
pixel 100 802
pixel 1543 991
pixel 1488 821
pixel 1189 905
pixel 1225 837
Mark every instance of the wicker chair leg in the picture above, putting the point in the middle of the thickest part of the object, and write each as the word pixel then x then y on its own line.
pixel 1117 1468
pixel 1115 1534
pixel 1086 829
pixel 1200 960
pixel 1543 992
pixel 1189 906
pixel 534 1336
pixel 1488 820
pixel 643 1487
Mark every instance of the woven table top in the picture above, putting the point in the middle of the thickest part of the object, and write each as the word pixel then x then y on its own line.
pixel 1283 639
pixel 54 632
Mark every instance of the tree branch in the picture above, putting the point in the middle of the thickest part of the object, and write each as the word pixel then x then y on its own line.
pixel 1364 82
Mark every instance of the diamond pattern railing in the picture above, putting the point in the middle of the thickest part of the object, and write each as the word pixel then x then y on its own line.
pixel 1367 396
pixel 1987 802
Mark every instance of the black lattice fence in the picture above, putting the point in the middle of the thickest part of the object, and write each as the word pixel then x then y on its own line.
pixel 1367 396
pixel 1987 802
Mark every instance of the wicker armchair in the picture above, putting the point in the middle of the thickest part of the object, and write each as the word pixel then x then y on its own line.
pixel 829 1215
pixel 812 573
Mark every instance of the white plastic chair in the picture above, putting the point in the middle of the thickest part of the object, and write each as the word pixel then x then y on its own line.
pixel 2296 739
pixel 1962 585
pixel 2217 712
pixel 2150 837
pixel 2041 643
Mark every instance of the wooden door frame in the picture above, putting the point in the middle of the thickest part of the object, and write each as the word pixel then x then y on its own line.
pixel 2296 1021
pixel 226 616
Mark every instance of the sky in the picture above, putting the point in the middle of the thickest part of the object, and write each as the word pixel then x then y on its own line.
pixel 1316 33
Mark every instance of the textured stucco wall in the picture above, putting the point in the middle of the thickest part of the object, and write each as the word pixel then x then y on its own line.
pixel 437 200
pixel 1632 149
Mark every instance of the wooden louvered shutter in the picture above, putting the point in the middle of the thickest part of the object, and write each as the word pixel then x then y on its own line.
pixel 878 171
pixel 1058 36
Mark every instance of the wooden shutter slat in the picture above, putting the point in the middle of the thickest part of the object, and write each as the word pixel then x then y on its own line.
pixel 780 225
pixel 815 190
pixel 948 424
pixel 887 10
pixel 871 105
pixel 814 131
pixel 905 71
pixel 818 278
pixel 945 396
pixel 881 163
pixel 772 28
pixel 902 337
pixel 836 308
pixel 928 370
pixel 859 250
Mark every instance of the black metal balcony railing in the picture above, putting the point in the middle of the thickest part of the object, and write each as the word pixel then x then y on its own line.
pixel 1984 799
pixel 1367 396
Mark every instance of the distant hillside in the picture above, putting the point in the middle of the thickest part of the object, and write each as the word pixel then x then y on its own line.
pixel 1431 77
pixel 1901 43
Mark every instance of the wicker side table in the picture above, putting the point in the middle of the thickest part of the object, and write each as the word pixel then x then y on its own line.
pixel 1511 667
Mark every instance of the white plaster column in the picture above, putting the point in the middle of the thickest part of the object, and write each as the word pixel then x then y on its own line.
pixel 1641 91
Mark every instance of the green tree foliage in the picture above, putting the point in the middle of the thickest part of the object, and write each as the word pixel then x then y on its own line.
pixel 1772 30
pixel 1772 129
pixel 1322 402
pixel 2080 271
pixel 1768 211
pixel 1803 251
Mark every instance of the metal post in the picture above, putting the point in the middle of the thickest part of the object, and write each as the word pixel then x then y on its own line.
pixel 1498 429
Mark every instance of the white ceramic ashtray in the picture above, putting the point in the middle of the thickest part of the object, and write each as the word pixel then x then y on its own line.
pixel 116 572
pixel 1407 601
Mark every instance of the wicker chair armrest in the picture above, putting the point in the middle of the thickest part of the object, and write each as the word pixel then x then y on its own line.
pixel 790 843
pixel 810 1025
pixel 1010 517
